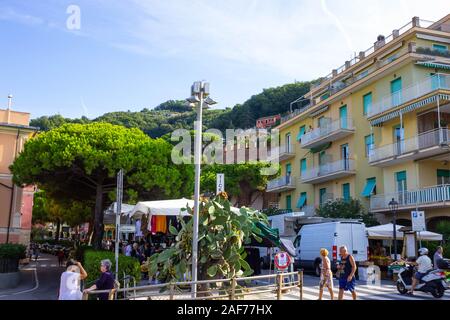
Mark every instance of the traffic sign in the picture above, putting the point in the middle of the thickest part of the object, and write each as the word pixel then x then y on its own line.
pixel 220 185
pixel 282 260
pixel 128 228
pixel 418 221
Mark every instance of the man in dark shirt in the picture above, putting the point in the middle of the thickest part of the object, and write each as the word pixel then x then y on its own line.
pixel 105 282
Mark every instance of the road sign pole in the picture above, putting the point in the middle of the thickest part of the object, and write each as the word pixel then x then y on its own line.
pixel 118 212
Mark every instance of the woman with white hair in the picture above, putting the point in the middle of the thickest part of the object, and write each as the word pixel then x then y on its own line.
pixel 105 282
pixel 70 284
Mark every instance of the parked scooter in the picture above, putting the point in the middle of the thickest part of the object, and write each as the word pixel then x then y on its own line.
pixel 433 282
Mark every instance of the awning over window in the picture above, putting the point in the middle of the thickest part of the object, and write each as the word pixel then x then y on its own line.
pixel 434 65
pixel 321 147
pixel 301 201
pixel 442 173
pixel 370 186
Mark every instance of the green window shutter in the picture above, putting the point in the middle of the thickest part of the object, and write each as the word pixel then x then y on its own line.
pixel 301 132
pixel 302 200
pixel 370 187
pixel 343 116
pixel 369 141
pixel 289 202
pixel 440 47
pixel 443 173
pixel 322 193
pixel 401 176
pixel 288 169
pixel 302 165
pixel 346 191
pixel 396 91
pixel 367 103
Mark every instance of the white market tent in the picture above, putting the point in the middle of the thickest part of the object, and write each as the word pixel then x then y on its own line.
pixel 386 232
pixel 163 208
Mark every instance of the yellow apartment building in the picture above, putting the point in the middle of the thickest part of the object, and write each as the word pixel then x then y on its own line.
pixel 15 203
pixel 376 129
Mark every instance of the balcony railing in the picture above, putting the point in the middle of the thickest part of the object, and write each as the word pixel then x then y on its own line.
pixel 284 182
pixel 421 142
pixel 328 169
pixel 436 195
pixel 329 78
pixel 282 152
pixel 417 90
pixel 328 130
pixel 430 51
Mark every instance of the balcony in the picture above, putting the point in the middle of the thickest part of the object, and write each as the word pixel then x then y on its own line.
pixel 285 183
pixel 436 82
pixel 329 171
pixel 284 152
pixel 430 197
pixel 331 132
pixel 424 145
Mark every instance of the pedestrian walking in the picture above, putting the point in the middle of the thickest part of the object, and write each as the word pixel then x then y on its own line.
pixel 105 282
pixel 347 279
pixel 326 276
pixel 36 252
pixel 61 257
pixel 438 255
pixel 70 283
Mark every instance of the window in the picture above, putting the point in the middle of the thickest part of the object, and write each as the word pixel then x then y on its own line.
pixel 288 169
pixel 440 48
pixel 370 187
pixel 325 96
pixel 288 143
pixel 367 103
pixel 322 193
pixel 302 200
pixel 343 116
pixel 396 92
pixel 443 176
pixel 401 181
pixel 346 191
pixel 301 132
pixel 289 202
pixel 302 166
pixel 370 144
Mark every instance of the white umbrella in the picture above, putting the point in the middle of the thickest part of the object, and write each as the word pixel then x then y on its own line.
pixel 386 232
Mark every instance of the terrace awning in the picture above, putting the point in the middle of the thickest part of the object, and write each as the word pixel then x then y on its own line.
pixel 301 201
pixel 434 65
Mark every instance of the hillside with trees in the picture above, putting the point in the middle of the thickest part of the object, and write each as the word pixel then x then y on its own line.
pixel 175 114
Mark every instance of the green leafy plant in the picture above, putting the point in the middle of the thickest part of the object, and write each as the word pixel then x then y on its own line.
pixel 223 233
pixel 12 251
pixel 91 263
pixel 346 209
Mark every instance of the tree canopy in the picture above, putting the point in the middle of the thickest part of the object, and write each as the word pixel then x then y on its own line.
pixel 80 162
pixel 346 209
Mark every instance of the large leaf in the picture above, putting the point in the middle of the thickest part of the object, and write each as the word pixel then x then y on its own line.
pixel 173 230
pixel 212 271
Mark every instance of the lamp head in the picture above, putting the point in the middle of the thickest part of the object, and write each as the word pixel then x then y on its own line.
pixel 193 99
pixel 393 205
pixel 210 101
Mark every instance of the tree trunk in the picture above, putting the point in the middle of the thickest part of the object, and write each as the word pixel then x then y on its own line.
pixel 58 229
pixel 98 218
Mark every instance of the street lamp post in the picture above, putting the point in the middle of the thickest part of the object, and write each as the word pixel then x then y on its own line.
pixel 199 97
pixel 393 205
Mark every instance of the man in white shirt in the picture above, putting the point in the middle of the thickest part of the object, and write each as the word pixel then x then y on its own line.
pixel 424 265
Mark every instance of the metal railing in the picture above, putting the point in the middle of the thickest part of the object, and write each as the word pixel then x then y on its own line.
pixel 294 113
pixel 430 51
pixel 418 197
pixel 328 168
pixel 372 49
pixel 422 141
pixel 418 89
pixel 282 150
pixel 334 126
pixel 284 181
pixel 218 289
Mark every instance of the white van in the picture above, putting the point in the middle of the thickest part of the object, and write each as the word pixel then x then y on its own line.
pixel 330 235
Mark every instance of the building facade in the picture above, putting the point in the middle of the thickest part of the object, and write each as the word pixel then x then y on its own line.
pixel 375 129
pixel 15 203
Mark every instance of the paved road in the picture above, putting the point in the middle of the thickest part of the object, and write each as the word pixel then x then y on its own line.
pixel 40 281
pixel 387 291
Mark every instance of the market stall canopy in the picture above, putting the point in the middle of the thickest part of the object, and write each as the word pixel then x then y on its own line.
pixel 164 208
pixel 386 232
pixel 271 238
pixel 110 213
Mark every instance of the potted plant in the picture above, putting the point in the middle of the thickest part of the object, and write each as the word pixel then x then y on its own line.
pixel 10 255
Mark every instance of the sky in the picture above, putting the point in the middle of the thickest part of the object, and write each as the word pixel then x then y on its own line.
pixel 119 55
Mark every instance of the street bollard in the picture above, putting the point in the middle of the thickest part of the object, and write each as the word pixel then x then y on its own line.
pixel 171 289
pixel 300 283
pixel 233 289
pixel 280 286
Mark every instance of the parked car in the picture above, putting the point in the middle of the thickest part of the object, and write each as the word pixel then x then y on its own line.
pixel 330 235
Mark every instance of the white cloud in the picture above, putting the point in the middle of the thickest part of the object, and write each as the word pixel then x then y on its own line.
pixel 10 14
pixel 291 38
